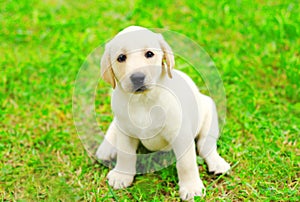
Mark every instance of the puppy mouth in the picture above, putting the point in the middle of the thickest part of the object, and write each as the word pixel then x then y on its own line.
pixel 140 89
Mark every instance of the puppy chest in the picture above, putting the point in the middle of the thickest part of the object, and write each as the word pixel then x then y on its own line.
pixel 146 122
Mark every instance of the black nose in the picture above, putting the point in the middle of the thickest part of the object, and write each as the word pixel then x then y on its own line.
pixel 137 79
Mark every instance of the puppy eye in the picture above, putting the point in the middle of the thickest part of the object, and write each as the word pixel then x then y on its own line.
pixel 121 58
pixel 149 54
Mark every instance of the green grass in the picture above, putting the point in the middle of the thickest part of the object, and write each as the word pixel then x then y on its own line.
pixel 254 44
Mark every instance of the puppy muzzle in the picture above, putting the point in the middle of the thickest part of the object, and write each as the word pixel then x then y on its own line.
pixel 137 80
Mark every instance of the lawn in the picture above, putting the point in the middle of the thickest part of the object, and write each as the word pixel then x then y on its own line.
pixel 43 44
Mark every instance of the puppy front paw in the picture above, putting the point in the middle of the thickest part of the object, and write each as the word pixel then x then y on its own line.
pixel 119 180
pixel 189 190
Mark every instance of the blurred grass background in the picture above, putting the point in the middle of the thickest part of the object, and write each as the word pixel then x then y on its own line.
pixel 254 44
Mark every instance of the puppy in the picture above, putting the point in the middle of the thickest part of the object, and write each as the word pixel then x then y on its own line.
pixel 159 107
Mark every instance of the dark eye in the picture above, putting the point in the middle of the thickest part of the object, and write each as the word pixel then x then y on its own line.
pixel 121 58
pixel 149 54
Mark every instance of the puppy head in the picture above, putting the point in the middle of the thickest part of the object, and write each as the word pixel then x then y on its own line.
pixel 135 60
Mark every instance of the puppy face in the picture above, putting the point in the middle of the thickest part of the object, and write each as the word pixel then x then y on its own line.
pixel 136 63
pixel 134 60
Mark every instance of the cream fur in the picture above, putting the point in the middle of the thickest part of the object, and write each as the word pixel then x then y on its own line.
pixel 170 114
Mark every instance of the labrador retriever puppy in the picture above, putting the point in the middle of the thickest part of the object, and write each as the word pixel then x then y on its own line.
pixel 159 107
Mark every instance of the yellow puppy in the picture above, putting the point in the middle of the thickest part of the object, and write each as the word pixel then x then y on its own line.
pixel 159 107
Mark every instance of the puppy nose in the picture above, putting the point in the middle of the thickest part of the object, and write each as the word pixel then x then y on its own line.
pixel 137 78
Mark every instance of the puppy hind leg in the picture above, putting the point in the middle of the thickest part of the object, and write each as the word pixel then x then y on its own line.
pixel 209 133
pixel 107 150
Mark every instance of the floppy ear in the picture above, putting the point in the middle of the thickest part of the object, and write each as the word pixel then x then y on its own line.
pixel 107 73
pixel 168 54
